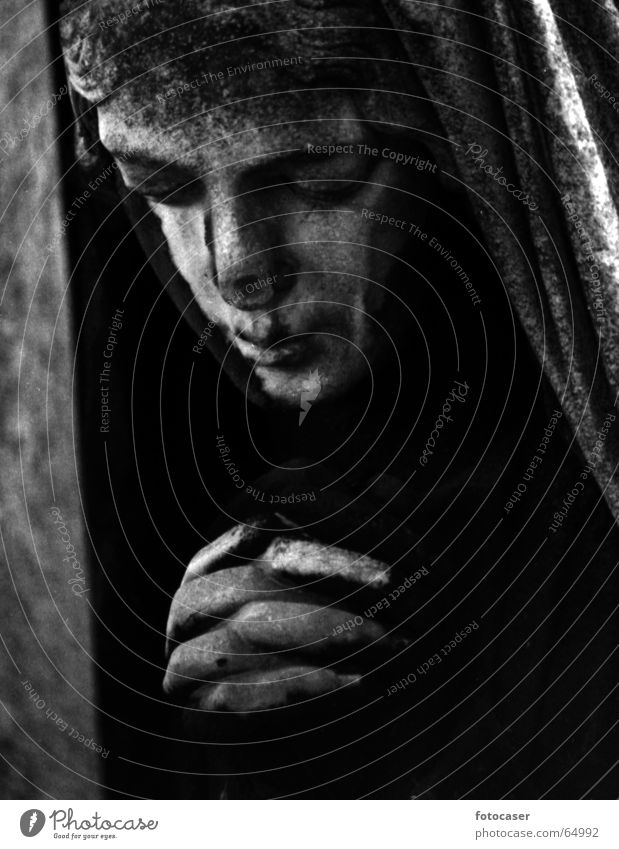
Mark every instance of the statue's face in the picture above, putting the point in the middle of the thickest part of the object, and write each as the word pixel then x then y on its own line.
pixel 273 236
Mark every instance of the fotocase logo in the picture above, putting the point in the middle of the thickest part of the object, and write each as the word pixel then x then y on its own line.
pixel 311 387
pixel 32 822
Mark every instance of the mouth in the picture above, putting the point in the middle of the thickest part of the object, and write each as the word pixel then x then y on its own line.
pixel 276 354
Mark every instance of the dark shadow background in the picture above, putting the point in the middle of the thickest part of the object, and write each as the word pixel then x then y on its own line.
pixel 148 513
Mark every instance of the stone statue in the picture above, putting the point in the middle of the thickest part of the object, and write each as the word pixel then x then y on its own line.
pixel 289 182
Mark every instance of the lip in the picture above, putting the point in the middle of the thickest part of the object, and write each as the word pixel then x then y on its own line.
pixel 275 354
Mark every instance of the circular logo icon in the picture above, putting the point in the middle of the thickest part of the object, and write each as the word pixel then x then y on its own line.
pixel 32 822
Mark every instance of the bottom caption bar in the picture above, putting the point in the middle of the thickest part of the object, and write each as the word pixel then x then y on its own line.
pixel 360 824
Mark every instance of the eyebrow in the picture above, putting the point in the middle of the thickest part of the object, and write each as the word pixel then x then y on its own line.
pixel 146 170
pixel 157 166
pixel 156 169
pixel 144 160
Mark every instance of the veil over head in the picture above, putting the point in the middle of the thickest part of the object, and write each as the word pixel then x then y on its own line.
pixel 524 96
pixel 554 127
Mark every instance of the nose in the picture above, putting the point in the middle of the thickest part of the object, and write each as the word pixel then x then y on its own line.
pixel 249 263
pixel 252 293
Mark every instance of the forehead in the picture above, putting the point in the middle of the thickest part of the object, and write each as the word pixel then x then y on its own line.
pixel 178 75
pixel 184 39
pixel 195 128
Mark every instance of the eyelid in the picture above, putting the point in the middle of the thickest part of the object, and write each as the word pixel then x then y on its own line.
pixel 339 162
pixel 349 173
pixel 327 188
pixel 169 195
pixel 301 169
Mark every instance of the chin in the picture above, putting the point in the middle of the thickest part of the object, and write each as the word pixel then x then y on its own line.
pixel 314 384
pixel 288 377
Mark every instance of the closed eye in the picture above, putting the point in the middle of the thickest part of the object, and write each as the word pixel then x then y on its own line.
pixel 180 195
pixel 336 176
pixel 327 188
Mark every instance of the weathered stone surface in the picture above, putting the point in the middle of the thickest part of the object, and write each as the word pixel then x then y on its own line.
pixel 48 737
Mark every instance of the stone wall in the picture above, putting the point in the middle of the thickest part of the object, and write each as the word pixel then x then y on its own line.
pixel 48 733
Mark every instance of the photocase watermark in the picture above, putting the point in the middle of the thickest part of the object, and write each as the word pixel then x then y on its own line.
pixel 104 375
pixel 129 12
pixel 311 388
pixel 231 468
pixel 415 230
pixel 63 818
pixel 406 159
pixel 78 581
pixel 251 288
pixel 446 255
pixel 434 660
pixel 605 93
pixel 79 201
pixel 535 462
pixel 204 337
pixel 31 822
pixel 59 722
pixel 594 269
pixel 292 497
pixel 285 498
pixel 9 141
pixel 392 221
pixel 210 77
pixel 579 486
pixel 480 155
pixel 383 604
pixel 458 394
pixel 239 297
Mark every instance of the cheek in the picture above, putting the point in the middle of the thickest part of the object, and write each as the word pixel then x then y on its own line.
pixel 350 279
pixel 185 234
pixel 348 241
pixel 346 310
pixel 360 260
pixel 342 304
pixel 186 237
